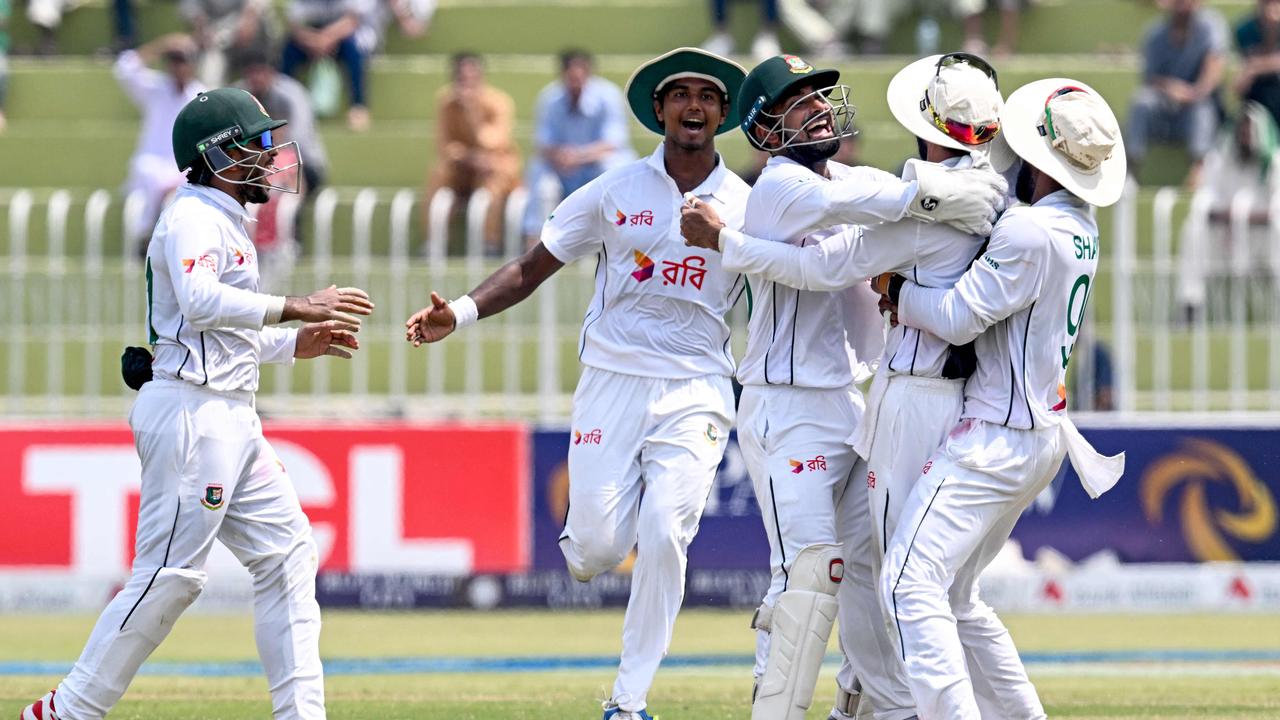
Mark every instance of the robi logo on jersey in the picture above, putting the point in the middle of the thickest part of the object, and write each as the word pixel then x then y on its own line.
pixel 591 437
pixel 644 265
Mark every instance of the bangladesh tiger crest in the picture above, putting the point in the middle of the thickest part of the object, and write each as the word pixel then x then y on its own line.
pixel 212 497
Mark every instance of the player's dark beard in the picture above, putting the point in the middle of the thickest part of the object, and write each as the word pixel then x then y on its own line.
pixel 1025 186
pixel 812 154
pixel 922 148
pixel 255 193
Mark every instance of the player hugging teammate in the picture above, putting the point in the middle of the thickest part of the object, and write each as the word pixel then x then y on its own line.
pixel 930 440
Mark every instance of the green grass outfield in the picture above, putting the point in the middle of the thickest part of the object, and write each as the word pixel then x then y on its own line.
pixel 1069 690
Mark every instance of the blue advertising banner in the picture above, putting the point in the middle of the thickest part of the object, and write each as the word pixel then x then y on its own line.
pixel 1188 494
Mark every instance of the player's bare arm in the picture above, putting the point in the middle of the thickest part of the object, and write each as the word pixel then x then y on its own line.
pixel 340 305
pixel 507 286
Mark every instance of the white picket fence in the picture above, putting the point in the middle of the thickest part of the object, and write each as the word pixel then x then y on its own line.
pixel 74 296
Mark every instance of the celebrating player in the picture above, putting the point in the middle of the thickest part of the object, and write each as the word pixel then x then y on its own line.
pixel 207 472
pixel 653 407
pixel 799 403
pixel 1024 302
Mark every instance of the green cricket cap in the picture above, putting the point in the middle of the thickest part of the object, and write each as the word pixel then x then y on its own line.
pixel 650 78
pixel 774 79
pixel 215 118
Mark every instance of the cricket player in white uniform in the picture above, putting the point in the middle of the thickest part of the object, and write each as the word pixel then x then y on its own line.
pixel 805 350
pixel 207 472
pixel 654 404
pixel 1022 303
pixel 951 103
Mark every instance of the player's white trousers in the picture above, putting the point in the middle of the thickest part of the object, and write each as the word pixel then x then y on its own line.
pixel 207 473
pixel 955 521
pixel 808 483
pixel 634 436
pixel 909 422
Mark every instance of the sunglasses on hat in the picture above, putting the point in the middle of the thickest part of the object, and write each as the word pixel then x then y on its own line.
pixel 963 133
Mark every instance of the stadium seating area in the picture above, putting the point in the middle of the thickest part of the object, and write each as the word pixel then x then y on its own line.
pixel 72 127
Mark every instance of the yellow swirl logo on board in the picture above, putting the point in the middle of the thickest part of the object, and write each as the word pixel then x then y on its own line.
pixel 1208 531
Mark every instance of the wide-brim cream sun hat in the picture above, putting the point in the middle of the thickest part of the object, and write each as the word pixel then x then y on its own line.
pixel 959 91
pixel 1065 129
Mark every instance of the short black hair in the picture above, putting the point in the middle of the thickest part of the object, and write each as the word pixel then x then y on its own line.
pixel 572 55
pixel 199 173
pixel 464 56
pixel 253 57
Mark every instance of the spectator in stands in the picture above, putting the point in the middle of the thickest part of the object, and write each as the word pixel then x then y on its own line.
pixel 1246 159
pixel 4 60
pixel 580 131
pixel 412 17
pixel 1183 56
pixel 225 30
pixel 320 29
pixel 1258 38
pixel 974 42
pixel 125 23
pixel 46 16
pixel 286 99
pixel 159 95
pixel 474 144
pixel 764 46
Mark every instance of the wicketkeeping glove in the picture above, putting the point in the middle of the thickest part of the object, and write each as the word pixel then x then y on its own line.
pixel 968 199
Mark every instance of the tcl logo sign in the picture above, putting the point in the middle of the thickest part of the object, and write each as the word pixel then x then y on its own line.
pixel 393 498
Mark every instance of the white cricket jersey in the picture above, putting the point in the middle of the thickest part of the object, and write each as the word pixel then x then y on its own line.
pixel 204 311
pixel 659 306
pixel 1024 300
pixel 802 337
pixel 930 254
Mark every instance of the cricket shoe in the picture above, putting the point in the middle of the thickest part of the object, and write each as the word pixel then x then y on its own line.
pixel 41 709
pixel 613 712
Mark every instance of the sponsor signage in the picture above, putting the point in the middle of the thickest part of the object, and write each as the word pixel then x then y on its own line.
pixel 449 500
pixel 1187 495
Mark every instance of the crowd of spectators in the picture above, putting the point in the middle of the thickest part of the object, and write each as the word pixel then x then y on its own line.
pixel 833 29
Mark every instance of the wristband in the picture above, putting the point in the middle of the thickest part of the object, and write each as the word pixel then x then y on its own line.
pixel 275 310
pixel 895 288
pixel 465 312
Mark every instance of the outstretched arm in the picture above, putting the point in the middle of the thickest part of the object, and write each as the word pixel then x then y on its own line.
pixel 834 263
pixel 507 286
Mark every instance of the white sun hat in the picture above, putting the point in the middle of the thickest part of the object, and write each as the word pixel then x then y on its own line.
pixel 1066 130
pixel 937 94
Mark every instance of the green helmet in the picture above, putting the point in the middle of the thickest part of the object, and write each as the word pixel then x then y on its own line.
pixel 772 81
pixel 213 119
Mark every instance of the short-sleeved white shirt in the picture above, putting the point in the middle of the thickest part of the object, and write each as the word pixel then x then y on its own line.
pixel 659 306
pixel 204 311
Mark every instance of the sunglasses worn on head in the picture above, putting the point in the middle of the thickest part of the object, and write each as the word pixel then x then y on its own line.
pixel 963 133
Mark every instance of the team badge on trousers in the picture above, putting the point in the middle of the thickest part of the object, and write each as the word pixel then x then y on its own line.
pixel 212 497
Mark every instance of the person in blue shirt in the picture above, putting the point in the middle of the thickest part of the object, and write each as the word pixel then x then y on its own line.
pixel 580 132
pixel 1182 60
